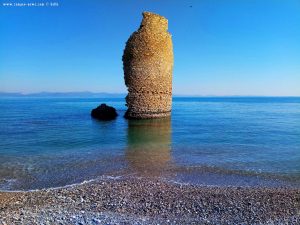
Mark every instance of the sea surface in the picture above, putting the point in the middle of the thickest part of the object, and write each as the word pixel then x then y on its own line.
pixel 232 141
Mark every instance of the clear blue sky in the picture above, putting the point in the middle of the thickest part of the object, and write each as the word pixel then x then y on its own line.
pixel 220 47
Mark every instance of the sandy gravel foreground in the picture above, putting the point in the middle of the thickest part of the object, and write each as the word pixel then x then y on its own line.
pixel 144 201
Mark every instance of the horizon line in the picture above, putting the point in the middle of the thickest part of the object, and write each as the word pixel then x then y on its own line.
pixel 22 94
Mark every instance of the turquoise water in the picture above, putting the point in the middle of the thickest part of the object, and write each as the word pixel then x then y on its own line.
pixel 50 142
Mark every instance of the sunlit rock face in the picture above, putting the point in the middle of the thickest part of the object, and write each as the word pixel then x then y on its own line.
pixel 148 67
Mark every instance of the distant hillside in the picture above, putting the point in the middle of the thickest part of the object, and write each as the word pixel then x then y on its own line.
pixel 66 95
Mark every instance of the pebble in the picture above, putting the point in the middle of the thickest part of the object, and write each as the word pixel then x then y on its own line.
pixel 146 201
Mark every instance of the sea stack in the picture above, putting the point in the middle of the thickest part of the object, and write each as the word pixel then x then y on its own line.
pixel 148 67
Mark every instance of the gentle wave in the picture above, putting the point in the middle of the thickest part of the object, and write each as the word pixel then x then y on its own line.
pixel 54 142
pixel 104 177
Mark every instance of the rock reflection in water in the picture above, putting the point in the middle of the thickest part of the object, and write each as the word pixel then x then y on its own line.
pixel 148 150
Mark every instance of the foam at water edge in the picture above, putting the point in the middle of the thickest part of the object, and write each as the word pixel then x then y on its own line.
pixel 104 177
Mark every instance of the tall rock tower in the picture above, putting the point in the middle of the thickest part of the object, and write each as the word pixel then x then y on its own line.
pixel 148 67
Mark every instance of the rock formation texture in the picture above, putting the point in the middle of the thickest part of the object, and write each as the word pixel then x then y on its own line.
pixel 148 68
pixel 104 112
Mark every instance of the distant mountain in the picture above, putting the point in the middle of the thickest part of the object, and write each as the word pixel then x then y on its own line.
pixel 84 94
pixel 87 94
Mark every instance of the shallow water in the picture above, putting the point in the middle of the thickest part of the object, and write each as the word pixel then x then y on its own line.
pixel 50 142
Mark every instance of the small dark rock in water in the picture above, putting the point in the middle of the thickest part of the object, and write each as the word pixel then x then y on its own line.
pixel 104 112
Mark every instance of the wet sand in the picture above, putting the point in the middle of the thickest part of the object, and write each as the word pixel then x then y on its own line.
pixel 150 201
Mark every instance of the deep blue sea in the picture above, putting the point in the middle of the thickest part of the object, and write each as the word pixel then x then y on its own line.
pixel 243 141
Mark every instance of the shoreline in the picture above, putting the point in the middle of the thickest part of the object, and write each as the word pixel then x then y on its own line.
pixel 148 201
pixel 198 176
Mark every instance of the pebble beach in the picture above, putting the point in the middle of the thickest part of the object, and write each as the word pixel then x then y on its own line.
pixel 150 201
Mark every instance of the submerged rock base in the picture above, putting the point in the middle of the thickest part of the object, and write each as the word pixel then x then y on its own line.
pixel 145 115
